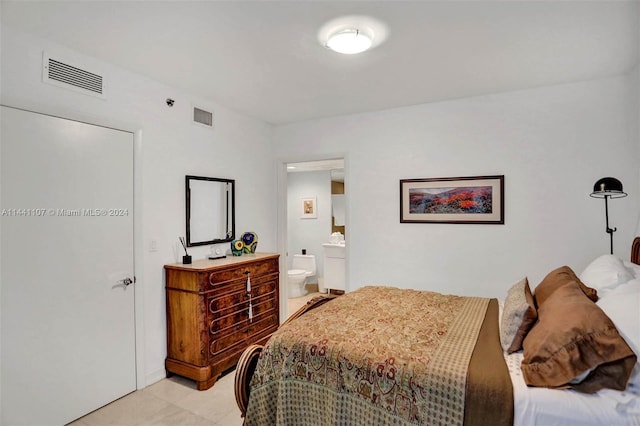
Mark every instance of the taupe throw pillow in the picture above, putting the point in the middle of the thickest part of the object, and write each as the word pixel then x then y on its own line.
pixel 518 316
pixel 573 336
pixel 558 278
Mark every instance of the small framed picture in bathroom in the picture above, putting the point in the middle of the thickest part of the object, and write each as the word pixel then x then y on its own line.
pixel 309 208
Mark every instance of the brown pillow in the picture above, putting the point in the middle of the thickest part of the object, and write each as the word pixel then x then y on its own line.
pixel 573 335
pixel 558 278
pixel 518 316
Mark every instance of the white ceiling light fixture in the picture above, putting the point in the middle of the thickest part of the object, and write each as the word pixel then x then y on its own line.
pixel 352 34
pixel 349 41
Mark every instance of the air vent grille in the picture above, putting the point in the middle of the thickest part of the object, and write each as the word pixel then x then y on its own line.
pixel 66 73
pixel 60 73
pixel 203 117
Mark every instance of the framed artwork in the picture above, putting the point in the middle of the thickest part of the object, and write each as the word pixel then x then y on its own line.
pixel 475 199
pixel 309 209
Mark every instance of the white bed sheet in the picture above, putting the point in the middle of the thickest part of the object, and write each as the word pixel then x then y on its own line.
pixel 553 407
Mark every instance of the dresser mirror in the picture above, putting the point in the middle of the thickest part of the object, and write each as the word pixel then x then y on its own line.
pixel 210 210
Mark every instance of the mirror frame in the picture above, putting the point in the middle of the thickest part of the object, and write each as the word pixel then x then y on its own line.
pixel 231 237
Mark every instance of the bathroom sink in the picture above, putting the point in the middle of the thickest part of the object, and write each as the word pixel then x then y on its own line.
pixel 334 249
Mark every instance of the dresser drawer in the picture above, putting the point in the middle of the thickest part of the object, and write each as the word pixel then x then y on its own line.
pixel 265 325
pixel 240 272
pixel 221 320
pixel 229 323
pixel 260 327
pixel 221 305
pixel 264 304
pixel 221 341
pixel 236 297
pixel 268 285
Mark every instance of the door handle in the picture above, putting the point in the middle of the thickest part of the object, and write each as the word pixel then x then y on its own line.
pixel 124 283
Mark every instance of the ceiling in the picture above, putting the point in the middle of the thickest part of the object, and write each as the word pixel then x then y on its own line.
pixel 320 165
pixel 335 166
pixel 263 59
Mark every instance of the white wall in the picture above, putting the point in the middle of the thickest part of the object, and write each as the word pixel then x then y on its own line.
pixel 551 144
pixel 171 147
pixel 308 233
pixel 635 114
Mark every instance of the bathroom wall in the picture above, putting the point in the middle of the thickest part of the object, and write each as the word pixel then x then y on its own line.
pixel 308 234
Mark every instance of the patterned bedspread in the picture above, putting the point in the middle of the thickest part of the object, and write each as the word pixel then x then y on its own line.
pixel 378 355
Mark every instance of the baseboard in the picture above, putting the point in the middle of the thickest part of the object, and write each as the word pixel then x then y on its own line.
pixel 154 377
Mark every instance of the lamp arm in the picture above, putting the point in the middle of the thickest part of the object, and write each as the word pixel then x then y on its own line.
pixel 609 231
pixel 606 213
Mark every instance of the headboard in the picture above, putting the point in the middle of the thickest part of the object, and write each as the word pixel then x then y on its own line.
pixel 635 251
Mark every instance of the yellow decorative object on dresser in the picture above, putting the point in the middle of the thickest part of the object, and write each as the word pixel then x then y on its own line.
pixel 217 308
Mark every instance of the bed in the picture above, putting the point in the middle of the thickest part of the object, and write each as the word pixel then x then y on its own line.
pixel 562 354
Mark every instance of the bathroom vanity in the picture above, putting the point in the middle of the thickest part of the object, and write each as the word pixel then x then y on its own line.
pixel 215 309
pixel 334 266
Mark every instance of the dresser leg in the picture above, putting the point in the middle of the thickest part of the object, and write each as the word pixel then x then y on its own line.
pixel 206 384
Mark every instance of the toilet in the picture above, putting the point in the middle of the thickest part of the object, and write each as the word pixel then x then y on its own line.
pixel 302 267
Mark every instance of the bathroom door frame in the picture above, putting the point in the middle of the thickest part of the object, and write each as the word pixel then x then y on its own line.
pixel 282 223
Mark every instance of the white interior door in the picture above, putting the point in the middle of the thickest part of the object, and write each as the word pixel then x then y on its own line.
pixel 68 337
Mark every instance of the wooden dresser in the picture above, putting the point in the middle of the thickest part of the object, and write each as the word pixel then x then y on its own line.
pixel 215 309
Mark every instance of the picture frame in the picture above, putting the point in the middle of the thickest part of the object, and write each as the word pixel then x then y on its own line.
pixel 309 208
pixel 466 200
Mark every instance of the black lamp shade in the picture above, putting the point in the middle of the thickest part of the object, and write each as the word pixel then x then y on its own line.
pixel 608 187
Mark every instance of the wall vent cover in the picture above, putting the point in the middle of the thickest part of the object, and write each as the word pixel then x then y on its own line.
pixel 202 117
pixel 61 73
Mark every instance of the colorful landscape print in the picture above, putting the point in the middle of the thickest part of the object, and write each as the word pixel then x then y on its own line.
pixel 472 199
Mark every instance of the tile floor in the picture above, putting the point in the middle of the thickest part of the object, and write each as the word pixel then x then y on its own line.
pixel 176 401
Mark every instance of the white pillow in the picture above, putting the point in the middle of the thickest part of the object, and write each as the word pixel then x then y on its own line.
pixel 605 272
pixel 635 269
pixel 622 305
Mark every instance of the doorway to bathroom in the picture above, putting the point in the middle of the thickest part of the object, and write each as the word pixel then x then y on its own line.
pixel 315 217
